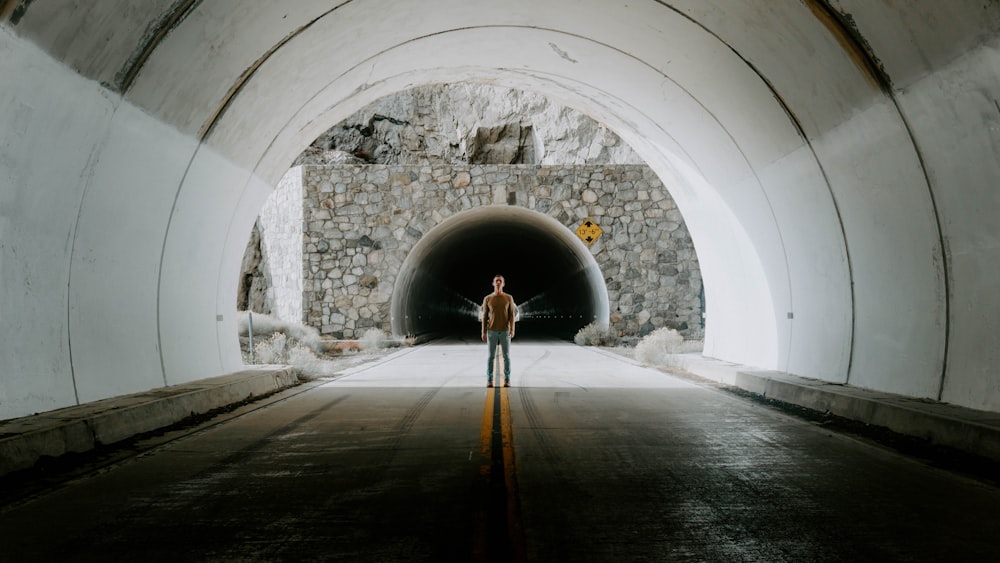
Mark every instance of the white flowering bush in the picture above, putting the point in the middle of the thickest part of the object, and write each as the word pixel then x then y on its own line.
pixel 283 343
pixel 596 335
pixel 266 325
pixel 658 347
pixel 272 349
pixel 663 347
pixel 309 364
pixel 373 339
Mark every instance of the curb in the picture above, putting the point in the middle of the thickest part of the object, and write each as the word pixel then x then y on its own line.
pixel 25 441
pixel 940 424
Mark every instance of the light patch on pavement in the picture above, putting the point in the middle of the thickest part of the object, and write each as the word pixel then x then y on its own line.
pixel 548 364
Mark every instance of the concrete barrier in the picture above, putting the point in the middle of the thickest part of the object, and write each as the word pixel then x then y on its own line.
pixel 940 424
pixel 971 431
pixel 79 429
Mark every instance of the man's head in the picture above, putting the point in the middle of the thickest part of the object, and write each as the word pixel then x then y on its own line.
pixel 498 282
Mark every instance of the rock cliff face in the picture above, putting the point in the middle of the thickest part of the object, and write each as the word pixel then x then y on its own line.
pixel 468 124
pixel 252 292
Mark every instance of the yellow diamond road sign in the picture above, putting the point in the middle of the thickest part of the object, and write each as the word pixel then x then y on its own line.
pixel 588 231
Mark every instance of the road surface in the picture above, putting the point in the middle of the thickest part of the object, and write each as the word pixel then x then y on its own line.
pixel 587 457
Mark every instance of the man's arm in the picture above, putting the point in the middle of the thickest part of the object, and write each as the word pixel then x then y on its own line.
pixel 512 315
pixel 483 335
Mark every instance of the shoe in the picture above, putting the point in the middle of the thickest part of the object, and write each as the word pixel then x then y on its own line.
pixel 489 384
pixel 506 383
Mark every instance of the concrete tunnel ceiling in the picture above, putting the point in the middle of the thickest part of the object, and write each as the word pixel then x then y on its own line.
pixel 832 158
pixel 556 282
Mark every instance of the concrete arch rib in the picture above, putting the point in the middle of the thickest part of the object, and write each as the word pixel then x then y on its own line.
pixel 440 284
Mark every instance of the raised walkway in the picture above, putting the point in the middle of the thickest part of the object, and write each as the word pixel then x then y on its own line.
pixel 80 429
pixel 970 431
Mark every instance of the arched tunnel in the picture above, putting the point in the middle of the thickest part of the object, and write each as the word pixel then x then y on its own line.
pixel 836 164
pixel 555 281
pixel 834 161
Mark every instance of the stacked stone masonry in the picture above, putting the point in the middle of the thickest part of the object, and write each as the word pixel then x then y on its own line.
pixel 361 221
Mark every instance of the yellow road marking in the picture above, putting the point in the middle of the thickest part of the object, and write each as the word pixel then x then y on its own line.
pixel 496 446
pixel 485 450
pixel 486 436
pixel 515 531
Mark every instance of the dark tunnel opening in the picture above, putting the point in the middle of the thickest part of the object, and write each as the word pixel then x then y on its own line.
pixel 555 281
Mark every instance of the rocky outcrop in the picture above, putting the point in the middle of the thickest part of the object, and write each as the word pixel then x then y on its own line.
pixel 252 292
pixel 468 124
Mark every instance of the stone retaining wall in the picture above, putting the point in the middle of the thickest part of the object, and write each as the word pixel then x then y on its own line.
pixel 361 221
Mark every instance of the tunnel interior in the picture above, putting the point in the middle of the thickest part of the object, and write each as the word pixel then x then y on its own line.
pixel 555 281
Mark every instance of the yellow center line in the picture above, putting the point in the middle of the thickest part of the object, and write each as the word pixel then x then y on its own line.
pixel 515 530
pixel 486 436
pixel 479 548
pixel 499 532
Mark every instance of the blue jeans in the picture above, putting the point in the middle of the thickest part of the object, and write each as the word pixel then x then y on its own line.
pixel 501 337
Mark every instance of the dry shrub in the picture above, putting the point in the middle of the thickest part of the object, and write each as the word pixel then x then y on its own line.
pixel 347 346
pixel 596 335
pixel 279 342
pixel 266 325
pixel 373 339
pixel 661 347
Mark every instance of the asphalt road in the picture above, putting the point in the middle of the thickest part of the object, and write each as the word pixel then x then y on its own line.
pixel 585 458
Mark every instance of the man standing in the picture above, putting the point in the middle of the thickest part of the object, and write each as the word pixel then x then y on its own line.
pixel 498 328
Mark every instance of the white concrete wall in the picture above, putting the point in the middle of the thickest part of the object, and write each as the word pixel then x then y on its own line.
pixel 108 285
pixel 116 255
pixel 205 240
pixel 281 241
pixel 46 154
pixel 895 256
pixel 955 119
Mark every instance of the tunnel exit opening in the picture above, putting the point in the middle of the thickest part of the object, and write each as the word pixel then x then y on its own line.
pixel 554 279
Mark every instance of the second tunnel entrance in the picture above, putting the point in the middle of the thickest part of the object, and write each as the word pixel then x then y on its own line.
pixel 555 281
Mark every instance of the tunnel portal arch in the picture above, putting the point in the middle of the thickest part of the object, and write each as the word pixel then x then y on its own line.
pixel 555 280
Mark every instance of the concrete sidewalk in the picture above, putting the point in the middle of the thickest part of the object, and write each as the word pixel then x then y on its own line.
pixel 940 424
pixel 79 429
